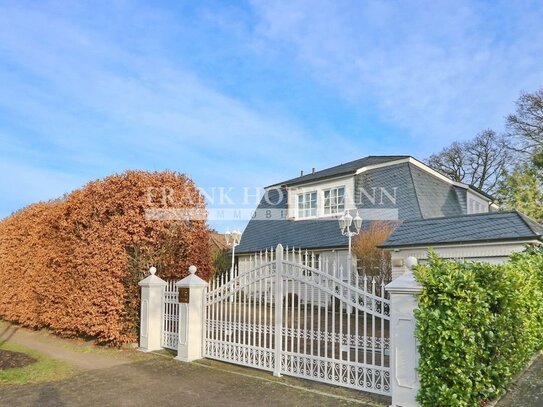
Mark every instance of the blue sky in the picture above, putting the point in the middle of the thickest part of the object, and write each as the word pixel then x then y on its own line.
pixel 241 94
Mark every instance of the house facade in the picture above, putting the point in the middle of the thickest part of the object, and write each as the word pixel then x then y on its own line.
pixel 303 212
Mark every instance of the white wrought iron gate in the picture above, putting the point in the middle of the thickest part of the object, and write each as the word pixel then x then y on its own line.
pixel 170 316
pixel 285 316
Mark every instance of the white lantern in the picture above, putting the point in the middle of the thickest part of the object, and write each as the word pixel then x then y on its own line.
pixel 342 223
pixel 348 220
pixel 357 222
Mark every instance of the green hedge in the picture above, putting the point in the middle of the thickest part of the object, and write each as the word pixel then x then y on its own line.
pixel 477 325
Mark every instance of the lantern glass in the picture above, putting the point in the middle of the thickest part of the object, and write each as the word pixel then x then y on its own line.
pixel 342 223
pixel 348 219
pixel 357 222
pixel 227 237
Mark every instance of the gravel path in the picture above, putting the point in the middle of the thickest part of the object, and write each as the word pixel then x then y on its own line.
pixel 57 348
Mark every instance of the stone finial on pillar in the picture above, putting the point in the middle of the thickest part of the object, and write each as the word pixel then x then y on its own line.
pixel 404 354
pixel 152 291
pixel 191 317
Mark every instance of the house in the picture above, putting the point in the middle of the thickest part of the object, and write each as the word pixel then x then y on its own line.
pixel 303 212
pixel 490 237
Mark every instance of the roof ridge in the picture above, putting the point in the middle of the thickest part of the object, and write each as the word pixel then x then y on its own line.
pixel 346 171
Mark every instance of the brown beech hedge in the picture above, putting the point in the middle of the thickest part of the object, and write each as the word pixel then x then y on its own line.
pixel 73 264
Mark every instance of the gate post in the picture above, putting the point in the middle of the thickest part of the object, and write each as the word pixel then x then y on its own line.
pixel 152 291
pixel 192 291
pixel 404 356
pixel 278 297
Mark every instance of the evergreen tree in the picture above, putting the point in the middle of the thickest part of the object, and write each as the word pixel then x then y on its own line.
pixel 522 190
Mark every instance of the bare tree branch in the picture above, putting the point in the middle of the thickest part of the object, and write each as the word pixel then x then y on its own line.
pixel 480 162
pixel 526 125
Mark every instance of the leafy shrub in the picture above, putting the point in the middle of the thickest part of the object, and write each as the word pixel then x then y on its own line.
pixel 73 264
pixel 371 260
pixel 478 324
pixel 221 261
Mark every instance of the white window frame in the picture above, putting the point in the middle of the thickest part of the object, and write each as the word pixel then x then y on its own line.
pixel 306 205
pixel 333 207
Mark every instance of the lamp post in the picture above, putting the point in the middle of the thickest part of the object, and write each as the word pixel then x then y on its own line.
pixel 345 223
pixel 232 239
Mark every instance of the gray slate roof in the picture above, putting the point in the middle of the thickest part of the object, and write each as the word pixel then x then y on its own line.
pixel 342 169
pixel 265 234
pixel 484 227
pixel 420 195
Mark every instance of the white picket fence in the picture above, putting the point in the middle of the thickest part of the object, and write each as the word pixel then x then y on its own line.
pixel 170 316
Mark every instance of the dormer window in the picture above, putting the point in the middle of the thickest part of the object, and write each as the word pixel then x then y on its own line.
pixel 307 204
pixel 334 201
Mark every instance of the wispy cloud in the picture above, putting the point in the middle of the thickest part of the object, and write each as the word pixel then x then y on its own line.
pixel 436 69
pixel 248 94
pixel 84 103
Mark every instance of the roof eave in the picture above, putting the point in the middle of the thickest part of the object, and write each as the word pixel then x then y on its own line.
pixel 527 239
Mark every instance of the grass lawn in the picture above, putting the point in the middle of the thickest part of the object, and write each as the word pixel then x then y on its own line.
pixel 45 369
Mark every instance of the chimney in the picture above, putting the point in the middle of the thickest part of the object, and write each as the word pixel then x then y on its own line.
pixel 313 170
pixel 301 173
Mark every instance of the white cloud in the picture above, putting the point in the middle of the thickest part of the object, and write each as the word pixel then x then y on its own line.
pixel 90 101
pixel 84 97
pixel 444 70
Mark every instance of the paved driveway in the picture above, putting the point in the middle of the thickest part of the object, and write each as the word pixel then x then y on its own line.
pixel 130 378
pixel 161 381
pixel 528 390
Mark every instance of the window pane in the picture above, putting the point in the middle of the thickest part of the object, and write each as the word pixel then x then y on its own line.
pixel 307 204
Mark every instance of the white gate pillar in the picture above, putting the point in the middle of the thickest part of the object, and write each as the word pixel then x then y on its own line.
pixel 404 356
pixel 191 317
pixel 152 291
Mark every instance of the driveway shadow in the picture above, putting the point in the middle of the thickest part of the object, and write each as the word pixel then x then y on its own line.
pixel 49 396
